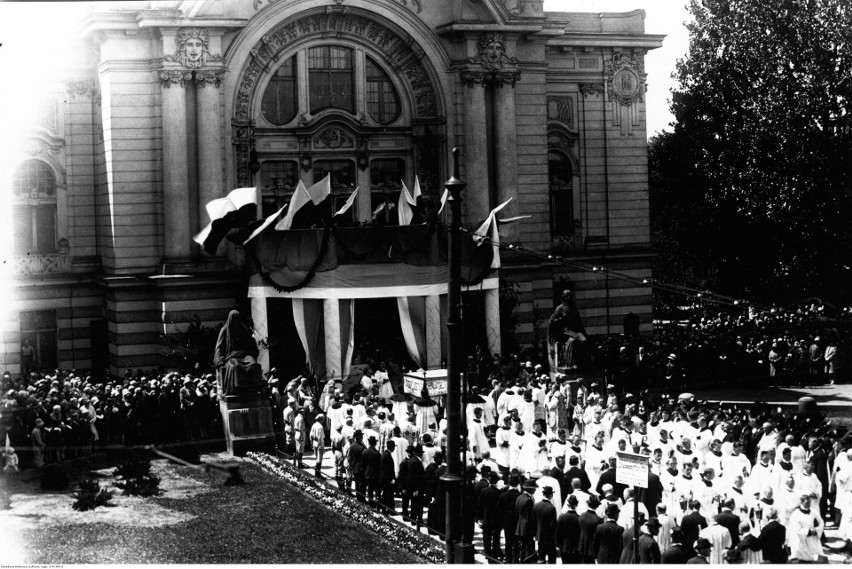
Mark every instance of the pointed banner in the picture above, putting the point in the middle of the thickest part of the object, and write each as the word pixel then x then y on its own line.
pixel 444 197
pixel 488 229
pixel 512 219
pixel 266 223
pixel 417 193
pixel 300 198
pixel 404 212
pixel 348 204
pixel 320 190
pixel 235 210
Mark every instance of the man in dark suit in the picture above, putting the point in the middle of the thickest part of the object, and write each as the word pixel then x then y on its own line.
pixel 691 524
pixel 402 480
pixel 416 483
pixel 372 465
pixel 574 471
pixel 773 536
pixel 649 550
pixel 653 494
pixel 558 472
pixel 568 533
pixel 544 518
pixel 487 513
pixel 356 469
pixel 387 477
pixel 608 477
pixel 508 517
pixel 676 554
pixel 728 519
pixel 702 552
pixel 589 522
pixel 607 540
pixel 525 529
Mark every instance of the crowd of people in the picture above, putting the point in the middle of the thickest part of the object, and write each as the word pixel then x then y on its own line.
pixel 49 418
pixel 725 483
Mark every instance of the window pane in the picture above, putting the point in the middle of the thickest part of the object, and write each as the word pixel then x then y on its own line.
pixel 561 193
pixel 280 102
pixel 386 177
pixel 342 174
pixel 23 215
pixel 331 77
pixel 45 234
pixel 382 100
pixel 278 179
pixel 34 176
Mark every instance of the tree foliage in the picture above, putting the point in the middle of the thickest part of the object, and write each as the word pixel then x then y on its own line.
pixel 752 189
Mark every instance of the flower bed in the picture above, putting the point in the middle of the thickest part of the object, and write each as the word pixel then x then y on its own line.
pixel 398 534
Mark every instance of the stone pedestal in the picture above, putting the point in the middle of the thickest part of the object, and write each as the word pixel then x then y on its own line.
pixel 807 405
pixel 248 424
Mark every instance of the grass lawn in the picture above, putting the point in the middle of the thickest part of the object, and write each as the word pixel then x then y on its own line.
pixel 202 521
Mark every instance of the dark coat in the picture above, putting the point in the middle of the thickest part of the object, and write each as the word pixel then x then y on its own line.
pixel 402 479
pixel 356 462
pixel 653 494
pixel 568 532
pixel 675 555
pixel 698 560
pixel 577 472
pixel 731 521
pixel 608 477
pixel 506 513
pixel 649 550
pixel 416 477
pixel 544 518
pixel 388 468
pixel 487 506
pixel 691 524
pixel 608 542
pixel 589 522
pixel 524 508
pixel 372 461
pixel 772 538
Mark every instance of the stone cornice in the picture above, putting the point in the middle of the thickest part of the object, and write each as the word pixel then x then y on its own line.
pixel 496 77
pixel 615 41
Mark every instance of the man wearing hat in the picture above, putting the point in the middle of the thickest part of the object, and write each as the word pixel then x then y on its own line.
pixel 317 438
pixel 372 461
pixel 649 550
pixel 415 483
pixel 544 519
pixel 702 552
pixel 568 532
pixel 525 528
pixel 676 553
pixel 607 541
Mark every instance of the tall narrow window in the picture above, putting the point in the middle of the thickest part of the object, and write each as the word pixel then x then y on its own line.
pixel 280 100
pixel 342 181
pixel 35 219
pixel 386 177
pixel 39 327
pixel 332 78
pixel 382 100
pixel 561 193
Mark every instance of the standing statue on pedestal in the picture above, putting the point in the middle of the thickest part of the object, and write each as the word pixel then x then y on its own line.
pixel 564 330
pixel 237 370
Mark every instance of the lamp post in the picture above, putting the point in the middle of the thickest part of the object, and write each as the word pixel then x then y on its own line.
pixel 453 477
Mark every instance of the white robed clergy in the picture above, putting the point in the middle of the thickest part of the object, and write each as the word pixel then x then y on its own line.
pixel 804 531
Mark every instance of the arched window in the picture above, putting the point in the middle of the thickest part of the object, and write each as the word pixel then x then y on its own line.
pixel 35 220
pixel 331 77
pixel 382 100
pixel 280 100
pixel 560 174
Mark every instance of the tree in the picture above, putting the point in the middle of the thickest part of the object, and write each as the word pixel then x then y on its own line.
pixel 762 136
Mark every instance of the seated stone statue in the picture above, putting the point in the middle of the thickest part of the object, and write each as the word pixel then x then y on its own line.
pixel 236 359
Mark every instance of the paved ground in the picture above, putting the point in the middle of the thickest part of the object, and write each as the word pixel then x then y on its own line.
pixel 825 395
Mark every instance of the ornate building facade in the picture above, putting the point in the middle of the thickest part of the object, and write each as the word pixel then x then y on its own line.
pixel 176 103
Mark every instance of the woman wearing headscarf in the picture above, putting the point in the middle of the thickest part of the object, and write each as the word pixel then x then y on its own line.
pixel 236 358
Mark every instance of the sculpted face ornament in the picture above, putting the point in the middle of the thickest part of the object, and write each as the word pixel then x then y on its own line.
pixel 192 47
pixel 492 51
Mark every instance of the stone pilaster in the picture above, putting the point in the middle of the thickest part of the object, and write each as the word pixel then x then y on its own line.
pixel 492 320
pixel 476 196
pixel 506 169
pixel 209 129
pixel 175 165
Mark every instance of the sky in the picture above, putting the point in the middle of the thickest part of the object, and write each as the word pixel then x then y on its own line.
pixel 665 17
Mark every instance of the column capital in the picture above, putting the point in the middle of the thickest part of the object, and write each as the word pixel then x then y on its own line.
pixel 174 77
pixel 484 78
pixel 206 77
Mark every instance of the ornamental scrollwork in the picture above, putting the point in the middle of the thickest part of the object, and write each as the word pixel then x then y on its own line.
pixel 401 51
pixel 626 81
pixel 333 138
pixel 174 77
pixel 484 78
pixel 591 89
pixel 207 77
